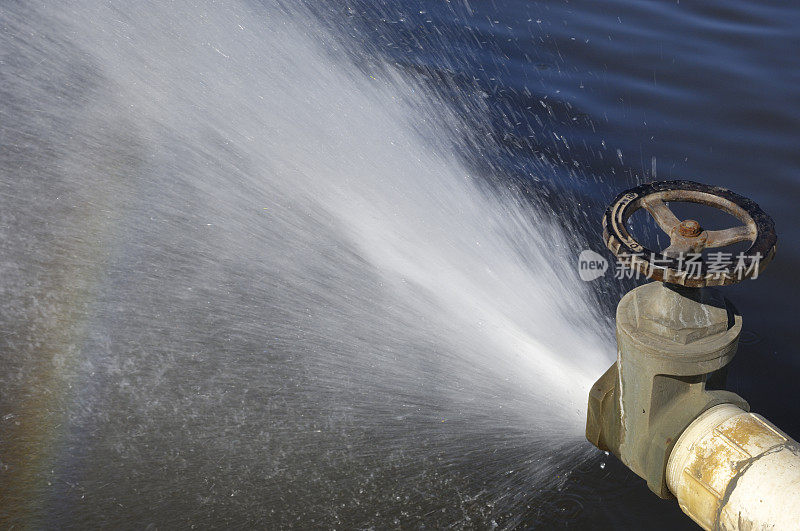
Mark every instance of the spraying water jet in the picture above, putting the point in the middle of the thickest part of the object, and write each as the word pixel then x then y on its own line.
pixel 265 290
pixel 660 408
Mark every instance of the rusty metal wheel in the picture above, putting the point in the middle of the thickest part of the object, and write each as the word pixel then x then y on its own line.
pixel 680 263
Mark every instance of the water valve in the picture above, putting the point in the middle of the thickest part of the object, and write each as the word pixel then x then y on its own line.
pixel 674 336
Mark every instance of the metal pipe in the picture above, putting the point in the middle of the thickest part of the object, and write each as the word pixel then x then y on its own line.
pixel 731 469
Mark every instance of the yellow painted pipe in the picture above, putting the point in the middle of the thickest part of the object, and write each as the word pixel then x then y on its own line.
pixel 734 470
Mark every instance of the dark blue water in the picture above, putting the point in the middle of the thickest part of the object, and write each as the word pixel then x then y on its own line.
pixel 636 92
pixel 175 356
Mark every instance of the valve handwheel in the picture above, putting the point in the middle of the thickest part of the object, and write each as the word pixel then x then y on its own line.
pixel 688 237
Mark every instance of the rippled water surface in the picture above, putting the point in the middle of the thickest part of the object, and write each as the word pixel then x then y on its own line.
pixel 280 265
